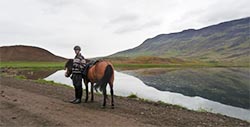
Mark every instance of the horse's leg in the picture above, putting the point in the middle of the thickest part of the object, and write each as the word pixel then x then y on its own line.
pixel 92 92
pixel 87 91
pixel 104 92
pixel 112 95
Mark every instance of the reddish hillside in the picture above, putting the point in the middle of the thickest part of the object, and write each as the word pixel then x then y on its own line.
pixel 27 53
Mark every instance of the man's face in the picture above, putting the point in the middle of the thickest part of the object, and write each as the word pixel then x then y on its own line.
pixel 77 51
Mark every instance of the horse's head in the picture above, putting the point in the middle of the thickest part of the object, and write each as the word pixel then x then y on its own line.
pixel 68 67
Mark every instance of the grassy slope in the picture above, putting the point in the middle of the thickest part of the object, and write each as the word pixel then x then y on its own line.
pixel 156 62
pixel 130 63
pixel 25 64
pixel 227 42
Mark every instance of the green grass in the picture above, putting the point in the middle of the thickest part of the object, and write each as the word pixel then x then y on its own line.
pixel 42 81
pixel 202 110
pixel 141 65
pixel 35 65
pixel 210 64
pixel 60 65
pixel 132 96
pixel 162 103
pixel 20 77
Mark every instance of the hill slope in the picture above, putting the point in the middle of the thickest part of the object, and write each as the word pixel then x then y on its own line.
pixel 227 41
pixel 27 53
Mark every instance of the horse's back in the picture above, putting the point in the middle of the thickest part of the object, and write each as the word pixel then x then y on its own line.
pixel 97 71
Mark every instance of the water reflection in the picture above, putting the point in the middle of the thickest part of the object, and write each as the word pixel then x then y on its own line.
pixel 229 86
pixel 127 84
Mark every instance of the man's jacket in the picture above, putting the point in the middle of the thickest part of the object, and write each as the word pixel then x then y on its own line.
pixel 79 64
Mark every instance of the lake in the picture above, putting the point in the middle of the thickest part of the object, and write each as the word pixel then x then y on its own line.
pixel 217 90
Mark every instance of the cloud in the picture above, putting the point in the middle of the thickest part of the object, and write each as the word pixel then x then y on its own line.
pixel 56 3
pixel 124 19
pixel 58 25
pixel 137 26
pixel 225 11
pixel 210 13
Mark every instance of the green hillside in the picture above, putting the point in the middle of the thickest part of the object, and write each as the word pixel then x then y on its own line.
pixel 224 42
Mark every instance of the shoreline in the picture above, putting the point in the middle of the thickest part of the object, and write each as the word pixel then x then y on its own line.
pixel 156 111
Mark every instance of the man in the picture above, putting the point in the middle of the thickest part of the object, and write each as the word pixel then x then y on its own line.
pixel 79 64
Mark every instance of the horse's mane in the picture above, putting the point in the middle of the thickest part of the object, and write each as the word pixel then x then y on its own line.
pixel 88 60
pixel 69 63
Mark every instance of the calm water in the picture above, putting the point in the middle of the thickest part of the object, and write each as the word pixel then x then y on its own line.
pixel 230 86
pixel 157 85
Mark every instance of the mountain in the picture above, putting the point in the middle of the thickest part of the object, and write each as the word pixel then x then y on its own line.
pixel 227 41
pixel 27 53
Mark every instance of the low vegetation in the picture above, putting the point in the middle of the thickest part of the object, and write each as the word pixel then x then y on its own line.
pixel 132 96
pixel 128 63
pixel 42 81
pixel 20 77
pixel 157 62
pixel 35 65
pixel 204 110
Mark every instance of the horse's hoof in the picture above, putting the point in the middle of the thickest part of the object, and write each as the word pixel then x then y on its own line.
pixel 112 107
pixel 103 107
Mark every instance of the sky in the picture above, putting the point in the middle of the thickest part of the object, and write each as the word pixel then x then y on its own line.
pixel 105 27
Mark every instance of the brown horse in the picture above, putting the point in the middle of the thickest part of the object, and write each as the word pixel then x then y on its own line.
pixel 101 73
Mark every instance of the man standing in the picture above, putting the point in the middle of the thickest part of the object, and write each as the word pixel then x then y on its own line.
pixel 79 64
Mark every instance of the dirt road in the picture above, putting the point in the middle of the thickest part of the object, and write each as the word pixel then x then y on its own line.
pixel 26 103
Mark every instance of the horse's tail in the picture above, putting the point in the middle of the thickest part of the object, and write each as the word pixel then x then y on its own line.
pixel 105 79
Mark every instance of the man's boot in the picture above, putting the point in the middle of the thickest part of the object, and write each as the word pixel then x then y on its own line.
pixel 72 101
pixel 76 96
pixel 77 101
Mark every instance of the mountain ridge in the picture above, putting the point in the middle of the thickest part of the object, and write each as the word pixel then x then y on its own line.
pixel 226 41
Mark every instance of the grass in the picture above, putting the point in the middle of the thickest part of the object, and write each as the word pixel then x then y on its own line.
pixel 142 65
pixel 202 110
pixel 136 66
pixel 159 62
pixel 124 64
pixel 42 81
pixel 20 77
pixel 34 65
pixel 176 105
pixel 4 74
pixel 161 102
pixel 132 96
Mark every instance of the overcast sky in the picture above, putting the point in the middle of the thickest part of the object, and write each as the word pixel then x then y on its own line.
pixel 103 27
